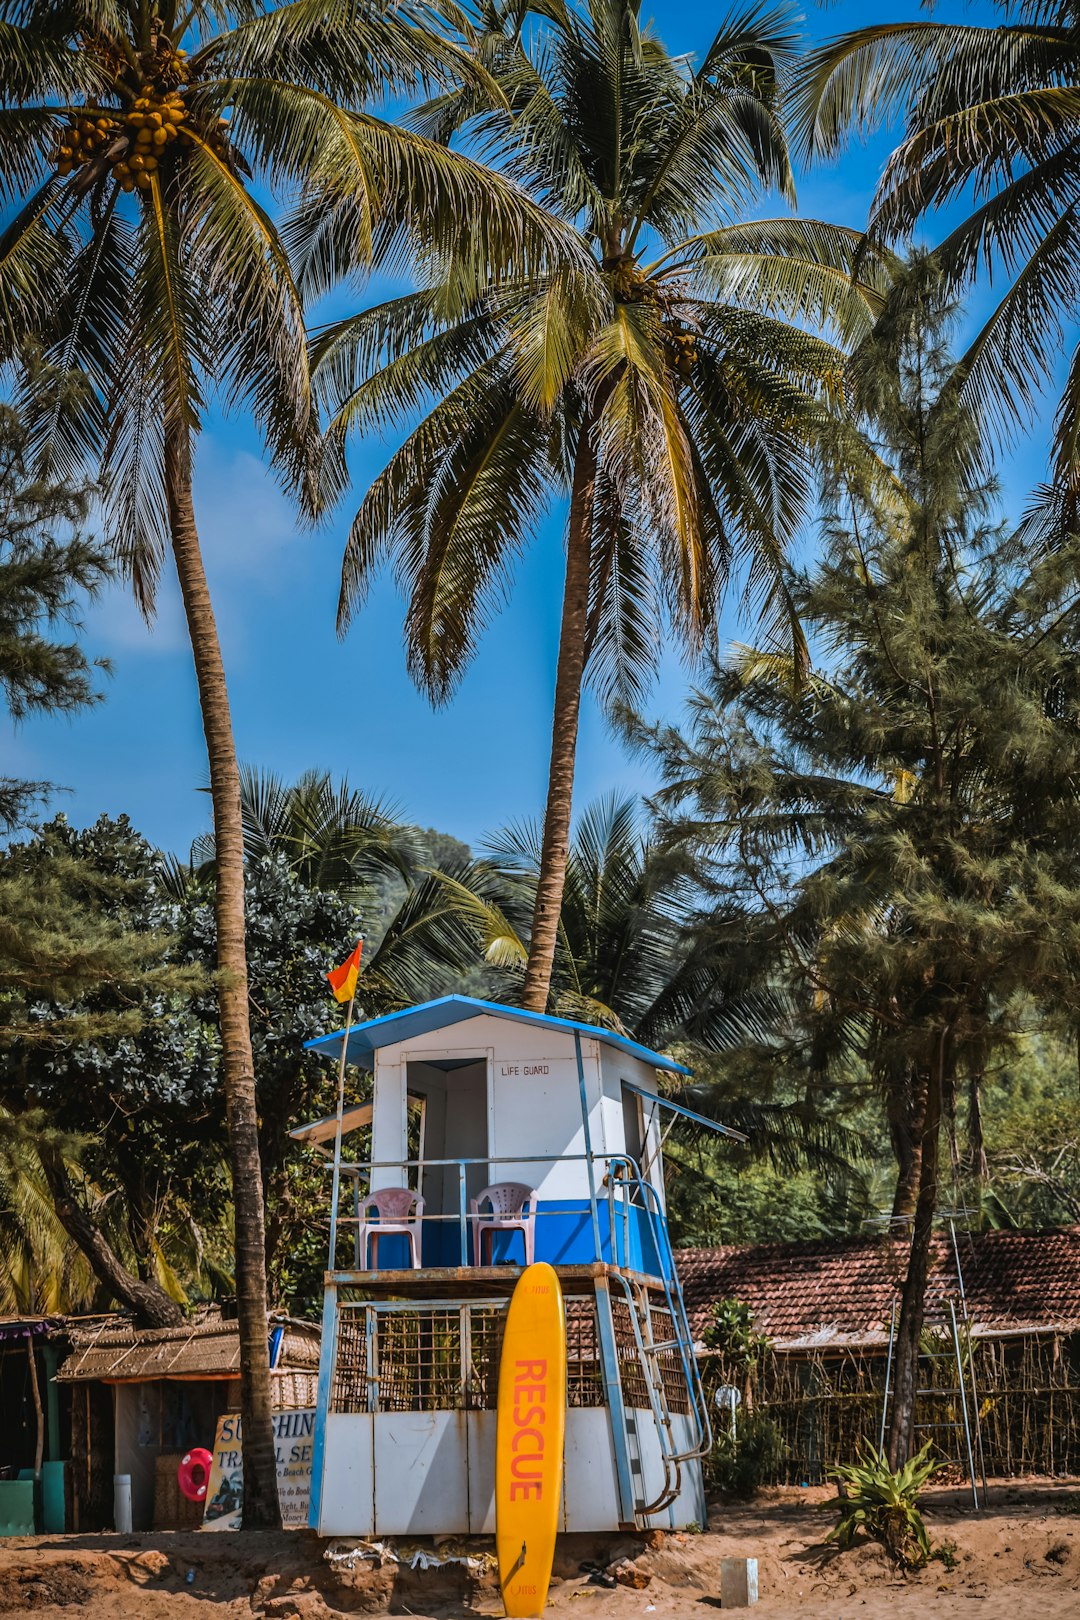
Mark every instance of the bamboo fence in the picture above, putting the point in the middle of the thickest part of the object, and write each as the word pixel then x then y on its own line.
pixel 824 1404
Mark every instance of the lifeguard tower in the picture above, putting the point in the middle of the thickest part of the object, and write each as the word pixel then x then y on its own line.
pixel 497 1136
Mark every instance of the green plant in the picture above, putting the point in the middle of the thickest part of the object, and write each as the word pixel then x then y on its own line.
pixel 732 1334
pixel 740 1464
pixel 884 1503
pixel 944 1552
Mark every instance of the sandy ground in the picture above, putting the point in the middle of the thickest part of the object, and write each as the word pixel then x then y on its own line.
pixel 1019 1558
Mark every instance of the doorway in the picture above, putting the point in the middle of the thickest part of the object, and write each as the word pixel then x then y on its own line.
pixel 454 1092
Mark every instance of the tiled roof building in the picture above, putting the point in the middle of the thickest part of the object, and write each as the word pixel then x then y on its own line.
pixel 817 1296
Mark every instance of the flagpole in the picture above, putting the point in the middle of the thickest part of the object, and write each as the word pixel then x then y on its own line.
pixel 337 1134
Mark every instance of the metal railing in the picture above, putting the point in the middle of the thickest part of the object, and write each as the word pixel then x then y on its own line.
pixel 622 1188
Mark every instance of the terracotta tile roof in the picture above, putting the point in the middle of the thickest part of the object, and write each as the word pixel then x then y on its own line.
pixel 208 1347
pixel 822 1295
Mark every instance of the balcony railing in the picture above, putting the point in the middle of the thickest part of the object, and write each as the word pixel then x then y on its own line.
pixel 619 1212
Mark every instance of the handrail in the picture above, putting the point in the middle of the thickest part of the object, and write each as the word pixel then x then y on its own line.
pixel 675 1302
pixel 660 1410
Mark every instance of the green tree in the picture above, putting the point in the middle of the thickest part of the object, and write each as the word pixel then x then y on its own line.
pixel 988 114
pixel 636 953
pixel 906 818
pixel 137 144
pixel 663 373
pixel 48 565
pixel 85 975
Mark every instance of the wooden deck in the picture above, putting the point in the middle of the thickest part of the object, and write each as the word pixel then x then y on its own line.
pixel 476 1282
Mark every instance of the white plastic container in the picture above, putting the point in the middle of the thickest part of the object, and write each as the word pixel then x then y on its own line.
pixel 121 1484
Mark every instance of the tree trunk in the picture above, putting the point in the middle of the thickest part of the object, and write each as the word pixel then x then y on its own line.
pixel 906 1110
pixel 261 1506
pixel 564 729
pixel 913 1298
pixel 980 1169
pixel 150 1303
pixel 39 1410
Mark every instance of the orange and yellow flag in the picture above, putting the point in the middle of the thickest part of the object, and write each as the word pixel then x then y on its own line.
pixel 343 979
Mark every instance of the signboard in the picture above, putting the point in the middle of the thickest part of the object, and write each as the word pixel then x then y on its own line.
pixel 293 1436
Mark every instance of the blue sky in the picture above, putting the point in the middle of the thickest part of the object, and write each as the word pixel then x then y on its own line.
pixel 303 698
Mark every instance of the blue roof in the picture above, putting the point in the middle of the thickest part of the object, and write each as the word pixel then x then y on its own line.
pixel 366 1038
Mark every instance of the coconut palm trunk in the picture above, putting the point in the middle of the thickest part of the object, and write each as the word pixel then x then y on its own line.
pixel 564 728
pixel 261 1506
pixel 913 1296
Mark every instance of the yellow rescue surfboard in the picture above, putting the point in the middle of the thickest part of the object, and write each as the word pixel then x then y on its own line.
pixel 530 1428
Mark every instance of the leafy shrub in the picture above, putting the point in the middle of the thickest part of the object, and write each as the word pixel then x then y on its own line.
pixel 740 1466
pixel 883 1503
pixel 732 1334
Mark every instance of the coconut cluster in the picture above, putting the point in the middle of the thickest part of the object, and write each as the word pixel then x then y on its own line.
pixel 83 139
pixel 155 120
pixel 682 351
pixel 133 139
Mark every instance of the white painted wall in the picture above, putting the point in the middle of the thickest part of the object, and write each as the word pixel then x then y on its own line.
pixel 534 1100
pixel 433 1473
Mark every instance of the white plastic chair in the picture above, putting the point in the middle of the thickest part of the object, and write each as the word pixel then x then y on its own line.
pixel 508 1214
pixel 393 1208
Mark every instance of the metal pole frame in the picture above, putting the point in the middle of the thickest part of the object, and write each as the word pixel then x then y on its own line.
pixel 593 1210
pixel 620 1440
pixel 964 1406
pixel 888 1380
pixel 335 1189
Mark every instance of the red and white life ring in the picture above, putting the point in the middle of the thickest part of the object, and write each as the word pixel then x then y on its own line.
pixel 193 1474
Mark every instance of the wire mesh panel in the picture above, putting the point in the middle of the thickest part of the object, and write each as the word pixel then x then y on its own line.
pixel 349 1392
pixel 584 1377
pixel 439 1358
pixel 672 1367
pixel 418 1360
pixel 485 1327
pixel 632 1371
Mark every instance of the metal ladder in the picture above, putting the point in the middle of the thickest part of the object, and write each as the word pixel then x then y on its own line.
pixel 650 1353
pixel 952 1323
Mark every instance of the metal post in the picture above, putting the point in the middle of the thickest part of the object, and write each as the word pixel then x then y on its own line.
pixel 593 1211
pixel 371 1357
pixel 971 1362
pixel 327 1355
pixel 609 1360
pixel 962 1387
pixel 888 1379
pixel 463 1227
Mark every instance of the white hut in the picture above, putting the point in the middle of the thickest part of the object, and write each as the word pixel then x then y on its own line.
pixel 498 1135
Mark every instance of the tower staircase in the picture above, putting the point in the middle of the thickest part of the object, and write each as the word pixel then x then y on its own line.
pixel 662 1363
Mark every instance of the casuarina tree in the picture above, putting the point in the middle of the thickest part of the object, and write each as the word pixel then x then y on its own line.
pixel 49 567
pixel 906 815
pixel 663 375
pixel 139 147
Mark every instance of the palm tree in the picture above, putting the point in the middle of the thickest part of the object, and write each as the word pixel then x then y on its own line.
pixel 137 143
pixel 631 952
pixel 331 835
pixel 339 840
pixel 638 953
pixel 988 111
pixel 663 375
